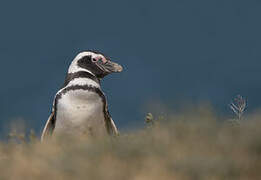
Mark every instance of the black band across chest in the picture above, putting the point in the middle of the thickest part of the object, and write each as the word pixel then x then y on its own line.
pixel 80 74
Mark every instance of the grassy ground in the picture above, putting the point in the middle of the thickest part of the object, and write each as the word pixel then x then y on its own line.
pixel 191 145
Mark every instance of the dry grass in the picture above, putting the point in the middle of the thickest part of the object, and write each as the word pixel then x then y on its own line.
pixel 191 145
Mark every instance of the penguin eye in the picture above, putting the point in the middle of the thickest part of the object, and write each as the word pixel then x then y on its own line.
pixel 94 60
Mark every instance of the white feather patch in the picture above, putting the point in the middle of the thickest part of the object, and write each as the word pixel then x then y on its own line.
pixel 78 111
pixel 83 81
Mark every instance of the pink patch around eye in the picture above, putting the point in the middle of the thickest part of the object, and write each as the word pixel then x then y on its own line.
pixel 104 60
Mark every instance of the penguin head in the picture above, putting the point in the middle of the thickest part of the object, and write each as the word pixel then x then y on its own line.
pixel 95 63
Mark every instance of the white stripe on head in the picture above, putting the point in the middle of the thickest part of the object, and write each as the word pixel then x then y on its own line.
pixel 74 66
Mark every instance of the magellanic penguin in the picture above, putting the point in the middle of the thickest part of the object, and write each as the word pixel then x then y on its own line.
pixel 80 105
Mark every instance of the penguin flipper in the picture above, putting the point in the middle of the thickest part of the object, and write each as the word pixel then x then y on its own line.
pixel 114 128
pixel 49 127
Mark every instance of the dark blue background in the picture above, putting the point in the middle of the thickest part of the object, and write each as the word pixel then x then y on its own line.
pixel 172 51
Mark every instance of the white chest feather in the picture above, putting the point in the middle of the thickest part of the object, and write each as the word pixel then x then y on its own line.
pixel 79 111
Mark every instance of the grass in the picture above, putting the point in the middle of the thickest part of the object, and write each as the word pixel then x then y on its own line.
pixel 194 145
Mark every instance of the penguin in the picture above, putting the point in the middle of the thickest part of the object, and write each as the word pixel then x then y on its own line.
pixel 80 106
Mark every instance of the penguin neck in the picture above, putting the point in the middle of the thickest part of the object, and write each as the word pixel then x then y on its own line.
pixel 81 78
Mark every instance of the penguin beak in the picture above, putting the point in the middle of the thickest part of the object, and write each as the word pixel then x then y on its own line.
pixel 109 66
